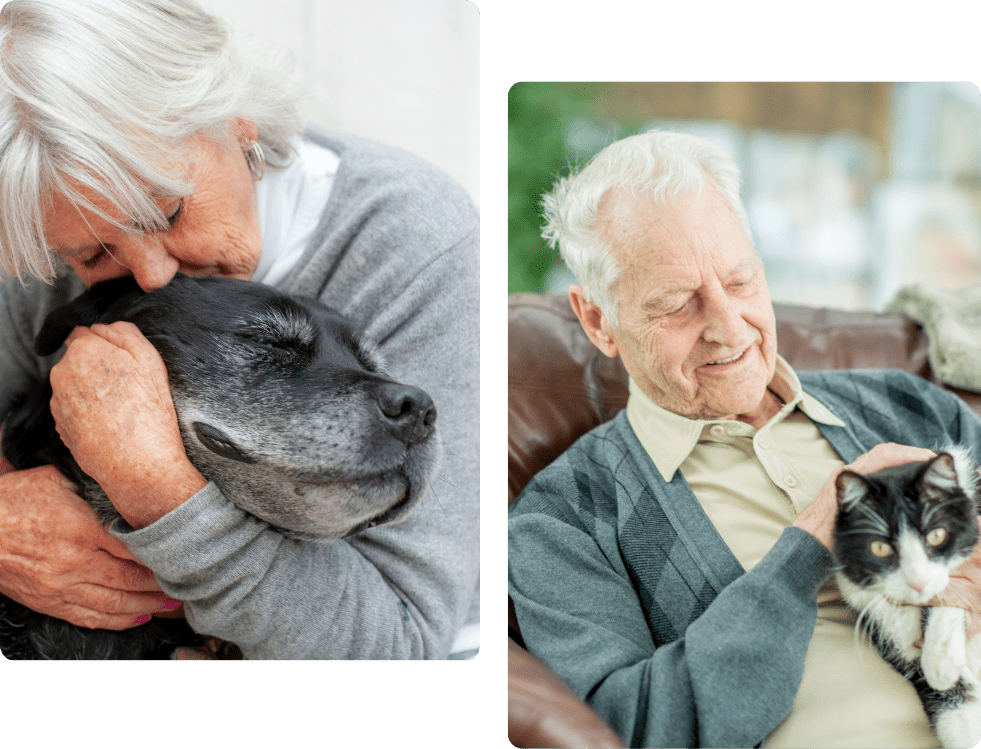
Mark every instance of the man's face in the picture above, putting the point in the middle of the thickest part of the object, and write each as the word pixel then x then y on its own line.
pixel 696 328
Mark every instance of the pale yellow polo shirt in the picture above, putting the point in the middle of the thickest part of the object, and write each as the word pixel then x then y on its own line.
pixel 752 484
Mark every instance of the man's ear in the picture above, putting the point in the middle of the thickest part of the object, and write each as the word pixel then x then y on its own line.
pixel 593 321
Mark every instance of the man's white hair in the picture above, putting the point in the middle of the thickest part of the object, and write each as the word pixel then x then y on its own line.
pixel 103 95
pixel 664 166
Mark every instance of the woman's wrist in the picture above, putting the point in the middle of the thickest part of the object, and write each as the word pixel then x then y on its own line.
pixel 147 497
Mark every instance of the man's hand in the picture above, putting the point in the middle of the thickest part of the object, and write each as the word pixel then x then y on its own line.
pixel 56 559
pixel 819 518
pixel 113 409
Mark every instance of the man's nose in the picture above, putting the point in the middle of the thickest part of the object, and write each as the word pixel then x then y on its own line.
pixel 724 322
pixel 148 260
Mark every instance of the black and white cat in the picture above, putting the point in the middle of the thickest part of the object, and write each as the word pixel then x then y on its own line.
pixel 899 534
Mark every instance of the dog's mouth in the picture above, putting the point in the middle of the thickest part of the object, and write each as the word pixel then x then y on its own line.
pixel 394 481
pixel 386 516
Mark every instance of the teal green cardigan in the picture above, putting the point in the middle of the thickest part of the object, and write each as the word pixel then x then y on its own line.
pixel 622 584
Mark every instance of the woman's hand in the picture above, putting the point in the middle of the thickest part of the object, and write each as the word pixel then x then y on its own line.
pixel 819 518
pixel 56 559
pixel 113 409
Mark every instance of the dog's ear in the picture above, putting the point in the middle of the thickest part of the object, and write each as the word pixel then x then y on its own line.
pixel 101 303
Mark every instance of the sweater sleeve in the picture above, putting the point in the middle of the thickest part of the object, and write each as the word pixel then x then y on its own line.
pixel 274 597
pixel 727 681
pixel 398 253
pixel 23 308
pixel 393 592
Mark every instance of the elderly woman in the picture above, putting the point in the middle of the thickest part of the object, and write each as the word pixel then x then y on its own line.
pixel 134 140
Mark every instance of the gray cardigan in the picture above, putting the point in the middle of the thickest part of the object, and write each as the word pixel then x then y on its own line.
pixel 621 583
pixel 396 250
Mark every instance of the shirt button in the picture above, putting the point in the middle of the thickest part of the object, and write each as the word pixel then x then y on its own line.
pixel 718 430
pixel 790 481
pixel 763 443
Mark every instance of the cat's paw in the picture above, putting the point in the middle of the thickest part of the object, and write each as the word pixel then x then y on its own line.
pixel 960 728
pixel 944 648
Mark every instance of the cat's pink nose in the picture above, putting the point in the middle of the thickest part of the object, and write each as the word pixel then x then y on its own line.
pixel 917 585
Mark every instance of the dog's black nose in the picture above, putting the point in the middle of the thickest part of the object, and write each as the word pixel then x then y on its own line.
pixel 408 411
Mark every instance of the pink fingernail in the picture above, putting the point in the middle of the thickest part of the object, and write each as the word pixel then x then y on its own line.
pixel 142 619
pixel 169 605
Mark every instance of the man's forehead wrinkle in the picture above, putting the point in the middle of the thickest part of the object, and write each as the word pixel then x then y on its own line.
pixel 667 254
pixel 631 212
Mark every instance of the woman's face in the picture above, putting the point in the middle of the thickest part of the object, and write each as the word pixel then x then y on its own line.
pixel 214 231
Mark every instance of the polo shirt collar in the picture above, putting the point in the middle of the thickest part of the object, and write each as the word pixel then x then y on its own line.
pixel 670 438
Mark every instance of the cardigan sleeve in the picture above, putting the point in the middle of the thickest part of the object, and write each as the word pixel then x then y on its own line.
pixel 727 681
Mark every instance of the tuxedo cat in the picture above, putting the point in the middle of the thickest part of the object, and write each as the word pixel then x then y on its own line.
pixel 898 535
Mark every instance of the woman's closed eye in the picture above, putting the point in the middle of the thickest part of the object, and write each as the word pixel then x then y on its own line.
pixel 103 252
pixel 97 258
pixel 176 214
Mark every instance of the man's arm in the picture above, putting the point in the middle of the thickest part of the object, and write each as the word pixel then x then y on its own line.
pixel 729 680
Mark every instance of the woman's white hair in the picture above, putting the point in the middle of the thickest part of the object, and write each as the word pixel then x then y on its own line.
pixel 664 166
pixel 103 95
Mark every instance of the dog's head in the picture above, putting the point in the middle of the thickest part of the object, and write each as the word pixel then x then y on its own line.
pixel 280 402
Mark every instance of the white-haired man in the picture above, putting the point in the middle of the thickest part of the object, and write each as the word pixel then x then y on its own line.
pixel 673 565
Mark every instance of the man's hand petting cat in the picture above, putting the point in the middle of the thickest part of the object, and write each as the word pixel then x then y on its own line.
pixel 819 518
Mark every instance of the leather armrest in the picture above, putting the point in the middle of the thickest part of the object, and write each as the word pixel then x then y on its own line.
pixel 544 712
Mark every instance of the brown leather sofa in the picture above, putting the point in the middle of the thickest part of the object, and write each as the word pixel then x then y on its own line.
pixel 560 386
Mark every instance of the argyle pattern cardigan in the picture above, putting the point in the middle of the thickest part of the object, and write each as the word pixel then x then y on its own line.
pixel 623 586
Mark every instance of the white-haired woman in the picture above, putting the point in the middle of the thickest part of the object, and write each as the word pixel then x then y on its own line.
pixel 134 140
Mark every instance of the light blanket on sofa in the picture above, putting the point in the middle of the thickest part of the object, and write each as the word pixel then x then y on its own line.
pixel 952 320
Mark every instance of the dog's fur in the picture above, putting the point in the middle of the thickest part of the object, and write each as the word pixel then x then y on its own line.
pixel 280 403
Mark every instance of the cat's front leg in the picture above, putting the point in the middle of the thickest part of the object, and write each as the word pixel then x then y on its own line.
pixel 944 647
pixel 958 725
pixel 973 649
pixel 902 627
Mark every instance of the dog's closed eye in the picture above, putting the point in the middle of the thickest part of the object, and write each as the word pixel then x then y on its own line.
pixel 288 346
pixel 220 443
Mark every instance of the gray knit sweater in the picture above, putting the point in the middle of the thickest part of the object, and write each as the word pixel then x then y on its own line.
pixel 397 251
pixel 622 584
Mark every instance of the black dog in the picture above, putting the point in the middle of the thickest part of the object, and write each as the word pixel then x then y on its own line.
pixel 280 404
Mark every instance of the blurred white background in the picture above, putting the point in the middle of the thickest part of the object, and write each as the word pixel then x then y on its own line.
pixel 853 190
pixel 400 71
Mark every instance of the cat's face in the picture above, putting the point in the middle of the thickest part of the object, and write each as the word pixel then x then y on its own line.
pixel 902 530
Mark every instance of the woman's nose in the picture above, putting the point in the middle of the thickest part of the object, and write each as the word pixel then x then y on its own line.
pixel 151 264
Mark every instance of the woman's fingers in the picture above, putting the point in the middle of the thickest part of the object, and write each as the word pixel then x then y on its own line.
pixel 112 407
pixel 58 559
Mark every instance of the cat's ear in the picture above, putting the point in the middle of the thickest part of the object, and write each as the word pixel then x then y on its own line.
pixel 940 477
pixel 852 487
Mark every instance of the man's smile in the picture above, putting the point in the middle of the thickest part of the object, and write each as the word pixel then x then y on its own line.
pixel 730 360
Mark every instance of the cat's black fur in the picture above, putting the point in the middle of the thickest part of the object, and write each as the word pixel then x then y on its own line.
pixel 921 519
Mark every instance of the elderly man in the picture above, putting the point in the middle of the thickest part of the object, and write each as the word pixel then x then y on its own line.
pixel 673 565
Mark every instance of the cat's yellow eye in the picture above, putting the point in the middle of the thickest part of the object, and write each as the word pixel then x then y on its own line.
pixel 936 537
pixel 880 548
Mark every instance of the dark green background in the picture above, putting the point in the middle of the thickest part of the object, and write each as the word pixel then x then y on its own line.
pixel 464 704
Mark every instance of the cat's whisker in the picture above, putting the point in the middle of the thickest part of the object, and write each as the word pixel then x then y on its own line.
pixel 862 529
pixel 864 623
pixel 938 506
pixel 874 518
